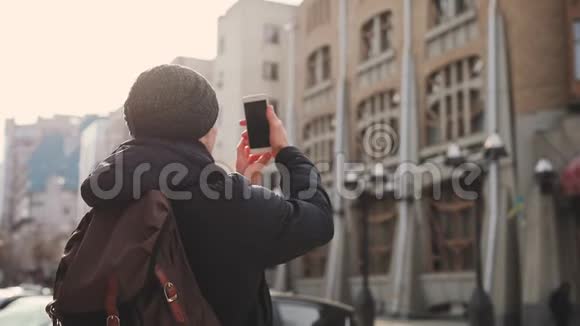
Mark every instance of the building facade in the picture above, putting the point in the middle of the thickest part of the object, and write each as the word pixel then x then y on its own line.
pixel 252 52
pixel 535 90
pixel 94 147
pixel 39 202
pixel 204 67
pixel 1 191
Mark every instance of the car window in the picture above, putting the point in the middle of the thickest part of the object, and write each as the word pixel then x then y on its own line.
pixel 29 311
pixel 292 314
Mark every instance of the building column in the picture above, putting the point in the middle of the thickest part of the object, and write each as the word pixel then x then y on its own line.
pixel 406 248
pixel 541 274
pixel 337 277
pixel 505 288
pixel 500 231
pixel 408 252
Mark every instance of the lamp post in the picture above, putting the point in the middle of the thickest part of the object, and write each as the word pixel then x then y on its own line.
pixel 493 151
pixel 376 185
pixel 481 311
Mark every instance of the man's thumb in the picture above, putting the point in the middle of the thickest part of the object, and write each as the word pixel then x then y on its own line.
pixel 271 115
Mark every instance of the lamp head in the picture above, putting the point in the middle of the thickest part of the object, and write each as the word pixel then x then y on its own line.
pixel 545 175
pixel 494 148
pixel 351 179
pixel 454 156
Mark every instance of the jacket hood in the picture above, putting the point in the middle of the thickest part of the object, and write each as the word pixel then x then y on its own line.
pixel 142 165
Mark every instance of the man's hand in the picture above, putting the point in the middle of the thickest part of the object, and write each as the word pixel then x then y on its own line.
pixel 278 137
pixel 251 165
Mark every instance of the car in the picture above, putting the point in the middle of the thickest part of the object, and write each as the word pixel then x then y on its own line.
pixel 26 311
pixel 298 310
pixel 7 295
pixel 288 310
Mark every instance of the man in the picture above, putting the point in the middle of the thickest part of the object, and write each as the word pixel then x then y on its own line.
pixel 231 230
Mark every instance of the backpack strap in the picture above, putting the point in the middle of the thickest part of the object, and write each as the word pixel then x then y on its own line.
pixel 111 302
pixel 170 292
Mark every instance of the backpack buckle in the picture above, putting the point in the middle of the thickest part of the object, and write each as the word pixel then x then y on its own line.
pixel 113 320
pixel 170 292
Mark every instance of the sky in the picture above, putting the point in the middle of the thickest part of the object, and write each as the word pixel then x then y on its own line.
pixel 78 57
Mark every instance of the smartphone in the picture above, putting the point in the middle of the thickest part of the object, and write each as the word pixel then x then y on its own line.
pixel 257 123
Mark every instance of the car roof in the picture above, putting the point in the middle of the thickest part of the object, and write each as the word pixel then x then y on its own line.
pixel 311 299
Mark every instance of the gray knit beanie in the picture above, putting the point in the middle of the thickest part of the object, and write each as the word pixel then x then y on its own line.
pixel 171 102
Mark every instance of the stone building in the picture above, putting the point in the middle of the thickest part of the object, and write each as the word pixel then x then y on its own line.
pixel 534 55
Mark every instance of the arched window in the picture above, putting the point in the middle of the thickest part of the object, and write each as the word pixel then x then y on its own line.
pixel 452 224
pixel 318 141
pixel 382 225
pixel 378 114
pixel 375 36
pixel 455 105
pixel 318 66
pixel 447 10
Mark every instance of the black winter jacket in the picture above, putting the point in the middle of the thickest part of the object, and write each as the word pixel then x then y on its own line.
pixel 231 231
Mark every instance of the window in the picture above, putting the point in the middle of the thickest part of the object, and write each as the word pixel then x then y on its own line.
pixel 326 63
pixel 367 38
pixel 221 45
pixel 271 34
pixel 297 313
pixel 319 133
pixel 311 70
pixel 318 140
pixel 452 224
pixel 455 107
pixel 220 80
pixel 380 110
pixel 446 10
pixel 318 66
pixel 577 49
pixel 462 6
pixel 314 262
pixel 375 36
pixel 385 20
pixel 270 71
pixel 382 224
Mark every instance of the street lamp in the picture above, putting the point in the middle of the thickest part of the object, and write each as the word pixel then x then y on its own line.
pixel 376 185
pixel 494 151
pixel 480 304
pixel 454 157
pixel 545 175
pixel 494 148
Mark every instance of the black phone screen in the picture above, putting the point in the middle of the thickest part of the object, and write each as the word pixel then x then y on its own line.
pixel 257 123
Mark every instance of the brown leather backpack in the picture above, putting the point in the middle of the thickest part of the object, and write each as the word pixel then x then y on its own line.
pixel 126 265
